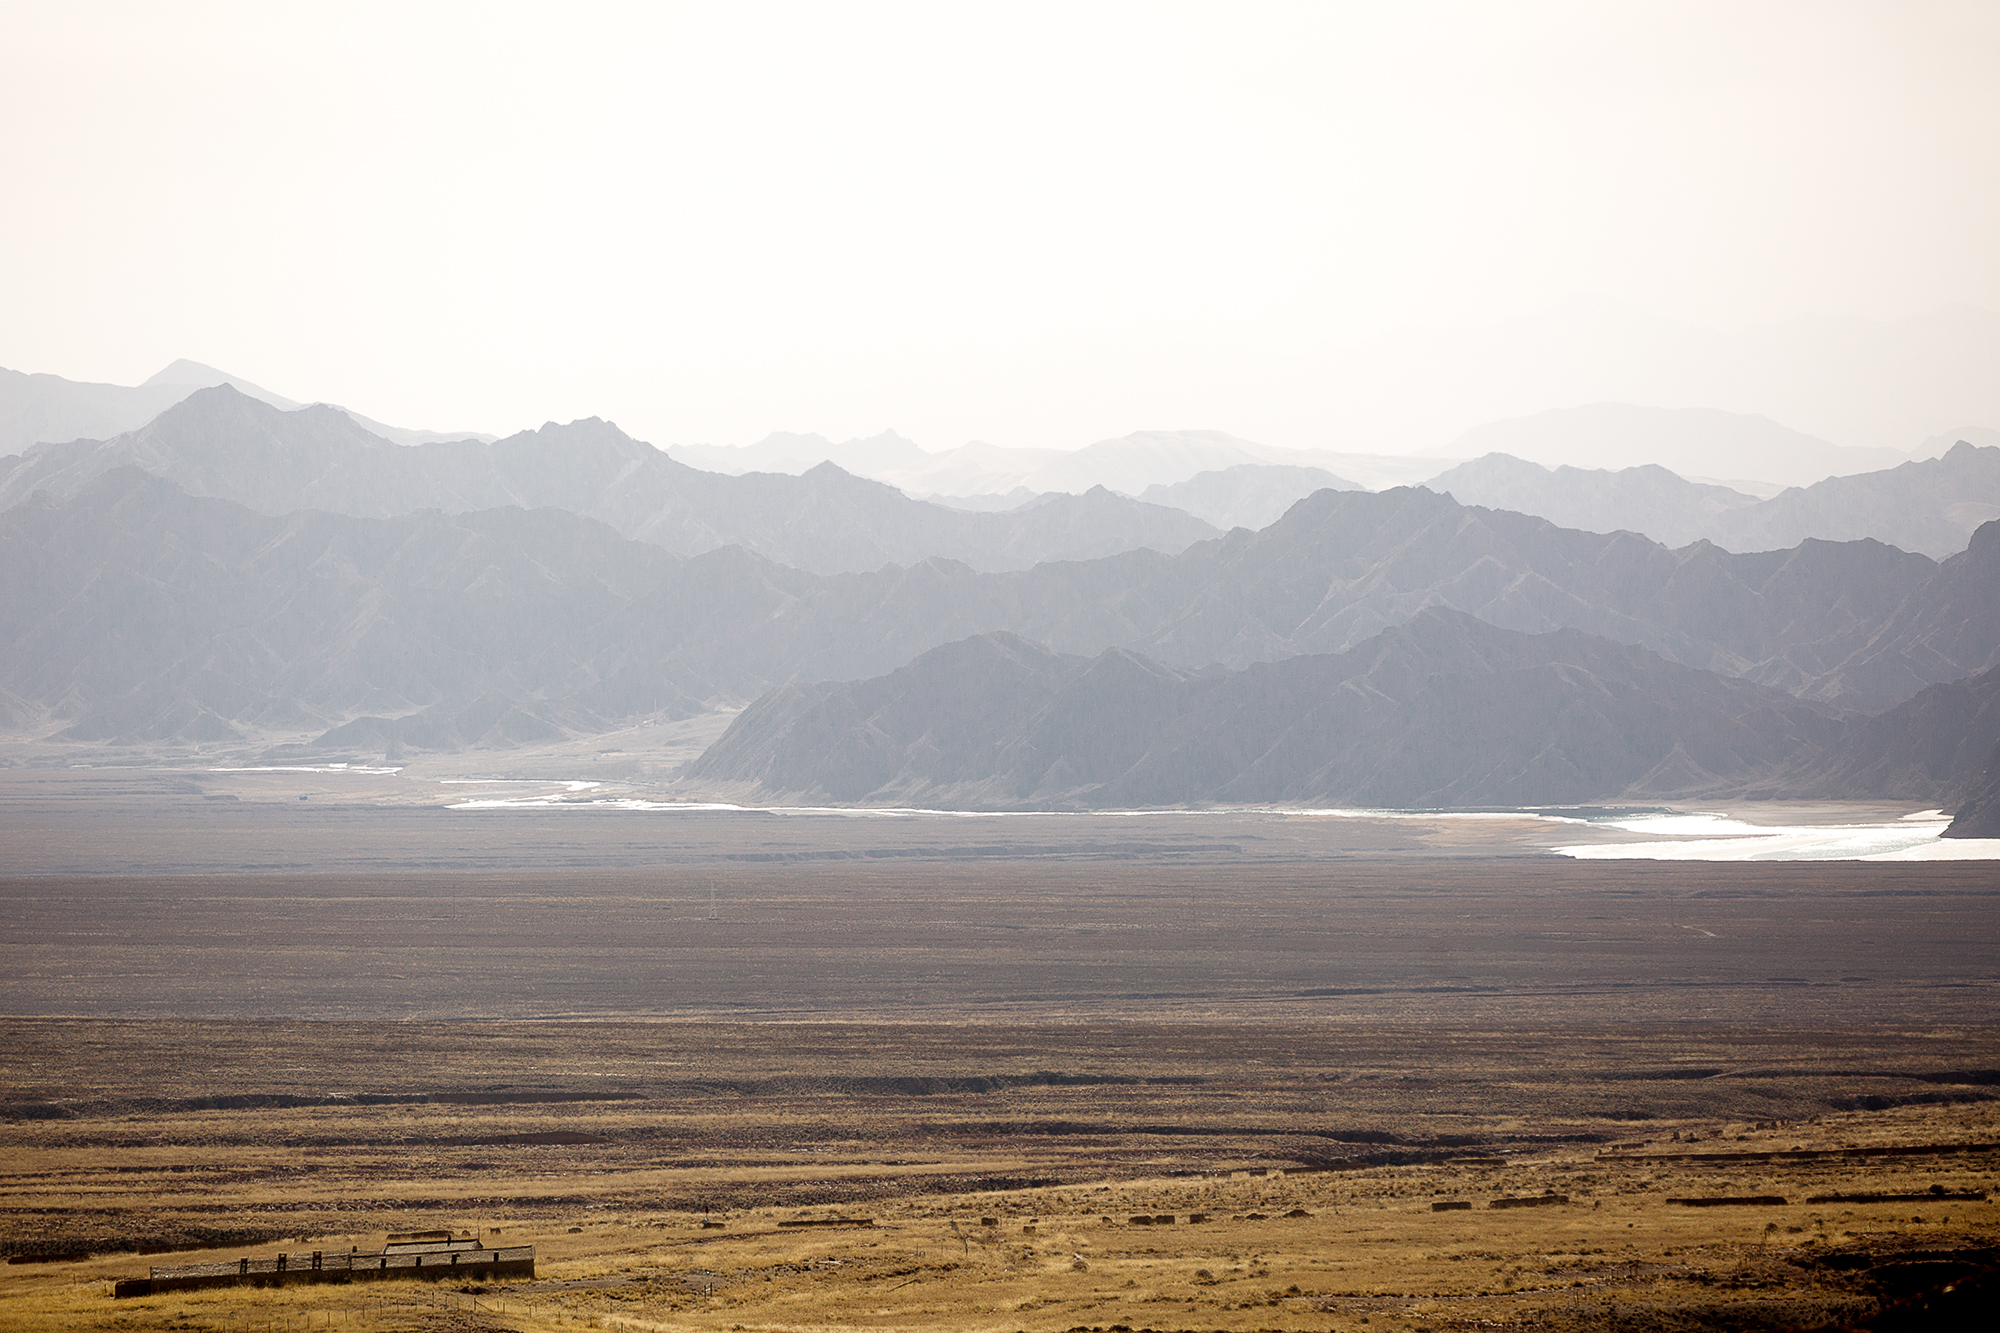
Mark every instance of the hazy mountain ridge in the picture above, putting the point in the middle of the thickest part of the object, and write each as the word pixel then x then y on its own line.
pixel 137 612
pixel 1128 464
pixel 1937 446
pixel 1647 499
pixel 1249 495
pixel 788 451
pixel 1342 566
pixel 1702 442
pixel 1855 623
pixel 222 443
pixel 132 610
pixel 48 409
pixel 1929 506
pixel 41 407
pixel 1444 710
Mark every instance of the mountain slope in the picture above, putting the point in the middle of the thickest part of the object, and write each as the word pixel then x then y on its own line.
pixel 1978 816
pixel 1445 710
pixel 1693 441
pixel 1131 463
pixel 139 613
pixel 784 451
pixel 1342 566
pixel 133 602
pixel 1649 499
pixel 36 409
pixel 194 375
pixel 1933 747
pixel 1943 746
pixel 1249 495
pixel 1931 506
pixel 1945 629
pixel 135 612
pixel 222 443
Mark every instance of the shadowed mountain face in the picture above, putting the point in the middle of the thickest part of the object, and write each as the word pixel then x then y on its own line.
pixel 1445 710
pixel 1931 507
pixel 1943 746
pixel 221 443
pixel 1978 814
pixel 1937 746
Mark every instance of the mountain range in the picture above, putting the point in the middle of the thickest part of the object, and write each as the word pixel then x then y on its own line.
pixel 787 451
pixel 1928 501
pixel 237 574
pixel 1707 444
pixel 40 408
pixel 1942 745
pixel 1128 465
pixel 1249 495
pixel 1646 499
pixel 137 613
pixel 1758 455
pixel 133 611
pixel 1444 710
pixel 1931 506
pixel 220 442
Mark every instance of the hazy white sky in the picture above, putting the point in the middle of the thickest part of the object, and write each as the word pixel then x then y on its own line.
pixel 1316 225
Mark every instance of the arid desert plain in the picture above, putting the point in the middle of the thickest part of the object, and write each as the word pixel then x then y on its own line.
pixel 1182 1070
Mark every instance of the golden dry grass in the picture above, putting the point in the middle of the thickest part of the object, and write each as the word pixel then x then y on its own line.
pixel 769 1132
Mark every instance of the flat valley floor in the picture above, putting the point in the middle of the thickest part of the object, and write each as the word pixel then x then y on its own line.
pixel 995 1054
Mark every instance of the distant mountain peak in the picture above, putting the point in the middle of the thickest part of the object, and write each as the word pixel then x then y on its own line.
pixel 217 399
pixel 48 409
pixel 185 371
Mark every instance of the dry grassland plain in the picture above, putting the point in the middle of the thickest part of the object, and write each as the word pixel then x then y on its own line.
pixel 245 1025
